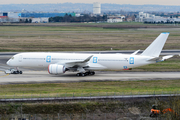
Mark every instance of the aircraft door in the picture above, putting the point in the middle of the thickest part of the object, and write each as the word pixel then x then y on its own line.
pixel 20 58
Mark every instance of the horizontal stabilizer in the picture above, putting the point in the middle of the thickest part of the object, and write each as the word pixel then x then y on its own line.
pixel 155 48
pixel 167 57
pixel 157 59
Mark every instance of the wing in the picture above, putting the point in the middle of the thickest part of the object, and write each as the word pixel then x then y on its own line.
pixel 81 62
pixel 78 64
pixel 81 66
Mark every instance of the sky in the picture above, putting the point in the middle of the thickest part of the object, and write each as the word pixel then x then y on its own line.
pixel 133 2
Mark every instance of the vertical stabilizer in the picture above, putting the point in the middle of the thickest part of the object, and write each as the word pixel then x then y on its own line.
pixel 155 48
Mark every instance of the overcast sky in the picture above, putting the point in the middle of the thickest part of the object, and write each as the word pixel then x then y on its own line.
pixel 134 2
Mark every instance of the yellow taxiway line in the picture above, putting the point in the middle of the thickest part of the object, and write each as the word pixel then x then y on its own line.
pixel 4 75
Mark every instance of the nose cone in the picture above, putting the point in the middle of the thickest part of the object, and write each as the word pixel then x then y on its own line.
pixel 8 62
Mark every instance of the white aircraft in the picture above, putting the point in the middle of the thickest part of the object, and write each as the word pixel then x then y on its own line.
pixel 86 64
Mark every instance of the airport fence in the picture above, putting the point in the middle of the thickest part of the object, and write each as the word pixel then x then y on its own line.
pixel 98 94
pixel 136 109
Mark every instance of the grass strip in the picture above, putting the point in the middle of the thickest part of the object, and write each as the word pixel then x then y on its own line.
pixel 90 89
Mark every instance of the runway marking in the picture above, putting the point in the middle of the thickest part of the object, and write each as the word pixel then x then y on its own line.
pixel 4 75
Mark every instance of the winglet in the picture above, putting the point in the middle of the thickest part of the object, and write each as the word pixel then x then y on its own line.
pixel 87 59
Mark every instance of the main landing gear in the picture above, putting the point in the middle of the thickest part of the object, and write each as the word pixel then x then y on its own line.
pixel 86 73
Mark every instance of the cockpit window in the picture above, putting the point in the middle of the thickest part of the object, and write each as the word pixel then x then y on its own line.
pixel 12 58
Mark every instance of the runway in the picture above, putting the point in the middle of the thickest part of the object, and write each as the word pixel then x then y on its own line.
pixel 44 77
pixel 41 75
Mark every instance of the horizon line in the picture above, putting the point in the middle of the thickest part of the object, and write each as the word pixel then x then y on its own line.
pixel 85 3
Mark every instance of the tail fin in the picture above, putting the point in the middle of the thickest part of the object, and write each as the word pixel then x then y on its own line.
pixel 155 48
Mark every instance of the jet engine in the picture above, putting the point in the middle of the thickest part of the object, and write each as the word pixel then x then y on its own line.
pixel 56 69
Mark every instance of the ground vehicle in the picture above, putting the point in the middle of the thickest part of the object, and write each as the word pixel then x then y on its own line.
pixel 155 112
pixel 12 71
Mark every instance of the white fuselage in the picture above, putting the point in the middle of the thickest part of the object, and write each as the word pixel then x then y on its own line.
pixel 97 62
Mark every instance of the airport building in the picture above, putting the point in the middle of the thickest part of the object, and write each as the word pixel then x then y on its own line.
pixel 36 17
pixel 150 18
pixel 45 15
pixel 115 18
pixel 141 16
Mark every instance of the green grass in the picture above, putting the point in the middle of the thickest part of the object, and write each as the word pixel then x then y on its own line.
pixel 89 89
pixel 67 37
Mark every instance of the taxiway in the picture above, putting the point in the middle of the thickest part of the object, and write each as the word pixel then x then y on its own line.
pixel 44 77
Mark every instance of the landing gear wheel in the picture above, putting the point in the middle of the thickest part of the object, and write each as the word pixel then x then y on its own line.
pixel 20 72
pixel 92 73
pixel 87 73
pixel 83 74
pixel 78 74
pixel 17 72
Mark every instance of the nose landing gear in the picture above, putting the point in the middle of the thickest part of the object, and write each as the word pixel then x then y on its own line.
pixel 13 71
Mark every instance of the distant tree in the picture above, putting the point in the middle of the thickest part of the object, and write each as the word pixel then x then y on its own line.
pixel 70 18
pixel 66 14
pixel 26 21
pixel 30 20
pixel 20 20
pixel 104 17
pixel 67 18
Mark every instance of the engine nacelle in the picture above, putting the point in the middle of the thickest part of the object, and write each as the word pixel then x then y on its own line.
pixel 56 69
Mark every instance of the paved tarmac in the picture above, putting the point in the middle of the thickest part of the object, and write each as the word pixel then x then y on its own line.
pixel 44 77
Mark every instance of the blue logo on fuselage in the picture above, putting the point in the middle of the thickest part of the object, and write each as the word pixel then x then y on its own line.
pixel 125 67
pixel 48 59
pixel 131 60
pixel 94 59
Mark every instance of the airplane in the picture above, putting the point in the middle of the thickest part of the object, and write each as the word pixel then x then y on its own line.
pixel 86 64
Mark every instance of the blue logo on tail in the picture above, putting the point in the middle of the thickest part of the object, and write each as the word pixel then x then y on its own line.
pixel 131 60
pixel 48 59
